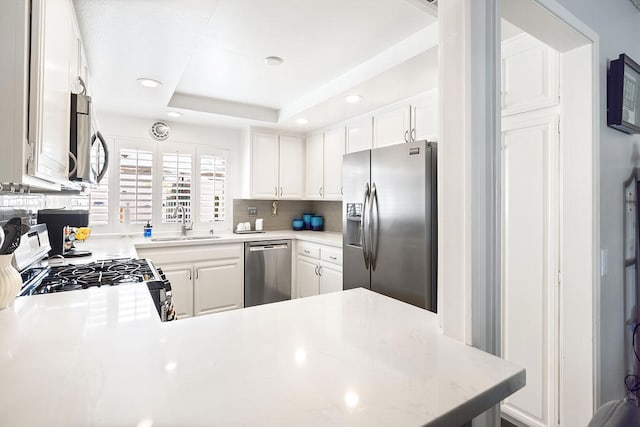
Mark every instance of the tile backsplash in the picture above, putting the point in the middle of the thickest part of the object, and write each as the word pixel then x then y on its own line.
pixel 287 210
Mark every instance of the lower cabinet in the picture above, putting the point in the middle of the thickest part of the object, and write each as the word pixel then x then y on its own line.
pixel 204 279
pixel 318 269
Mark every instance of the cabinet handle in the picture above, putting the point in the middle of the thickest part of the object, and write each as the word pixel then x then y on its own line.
pixel 316 270
pixel 413 135
pixel 342 190
pixel 320 192
pixel 306 251
pixel 276 191
pixel 406 136
pixel 197 273
pixel 333 258
pixel 320 270
pixel 190 277
pixel 281 192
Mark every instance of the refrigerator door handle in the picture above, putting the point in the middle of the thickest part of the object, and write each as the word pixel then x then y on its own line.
pixel 373 244
pixel 364 226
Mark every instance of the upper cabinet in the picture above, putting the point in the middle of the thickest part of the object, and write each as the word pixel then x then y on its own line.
pixel 40 47
pixel 392 126
pixel 530 75
pixel 277 166
pixel 360 134
pixel 425 117
pixel 324 164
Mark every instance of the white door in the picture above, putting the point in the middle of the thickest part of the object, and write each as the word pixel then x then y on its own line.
pixel 218 286
pixel 291 167
pixel 181 278
pixel 330 278
pixel 333 152
pixel 264 166
pixel 530 265
pixel 425 117
pixel 391 127
pixel 360 134
pixel 315 166
pixel 530 75
pixel 307 279
pixel 50 88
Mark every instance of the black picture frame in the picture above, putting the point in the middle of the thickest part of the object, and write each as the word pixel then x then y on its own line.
pixel 623 95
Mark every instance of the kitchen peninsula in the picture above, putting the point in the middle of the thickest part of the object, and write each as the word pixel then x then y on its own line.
pixel 101 357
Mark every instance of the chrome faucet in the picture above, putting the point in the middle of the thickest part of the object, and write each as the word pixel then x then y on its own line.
pixel 183 219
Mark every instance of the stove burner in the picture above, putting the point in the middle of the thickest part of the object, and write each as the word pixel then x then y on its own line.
pixel 110 272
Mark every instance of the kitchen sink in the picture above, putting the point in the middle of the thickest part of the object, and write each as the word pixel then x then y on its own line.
pixel 182 238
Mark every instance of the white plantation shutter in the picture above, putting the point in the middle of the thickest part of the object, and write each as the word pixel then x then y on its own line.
pixel 176 185
pixel 136 179
pixel 213 182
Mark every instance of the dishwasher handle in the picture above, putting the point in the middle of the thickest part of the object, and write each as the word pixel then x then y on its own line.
pixel 267 247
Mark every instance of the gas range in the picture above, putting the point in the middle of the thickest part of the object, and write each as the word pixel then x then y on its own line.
pixel 43 279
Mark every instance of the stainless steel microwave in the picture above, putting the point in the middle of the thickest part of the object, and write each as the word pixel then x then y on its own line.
pixel 88 151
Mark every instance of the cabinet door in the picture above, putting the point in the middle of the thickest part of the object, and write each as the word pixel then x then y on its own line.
pixel 360 135
pixel 391 127
pixel 307 280
pixel 315 166
pixel 50 104
pixel 530 75
pixel 181 278
pixel 333 152
pixel 330 278
pixel 291 167
pixel 529 263
pixel 264 166
pixel 425 117
pixel 218 286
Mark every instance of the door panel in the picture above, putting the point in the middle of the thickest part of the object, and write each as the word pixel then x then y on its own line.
pixel 181 279
pixel 264 166
pixel 360 135
pixel 330 278
pixel 291 167
pixel 391 127
pixel 315 166
pixel 218 286
pixel 306 277
pixel 333 151
pixel 529 155
pixel 425 121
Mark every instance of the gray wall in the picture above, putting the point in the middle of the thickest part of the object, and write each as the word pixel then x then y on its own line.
pixel 287 210
pixel 618 24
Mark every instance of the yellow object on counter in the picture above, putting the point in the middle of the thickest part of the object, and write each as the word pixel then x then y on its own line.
pixel 82 233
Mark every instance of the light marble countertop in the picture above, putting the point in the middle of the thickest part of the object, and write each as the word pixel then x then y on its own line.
pixel 108 247
pixel 101 357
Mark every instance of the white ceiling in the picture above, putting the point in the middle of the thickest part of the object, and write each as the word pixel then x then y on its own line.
pixel 209 54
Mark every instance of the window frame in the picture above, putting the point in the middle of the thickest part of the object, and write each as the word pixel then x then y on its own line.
pixel 226 225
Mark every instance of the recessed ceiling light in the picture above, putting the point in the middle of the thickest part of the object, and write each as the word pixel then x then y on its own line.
pixel 174 114
pixel 273 60
pixel 149 82
pixel 352 99
pixel 302 121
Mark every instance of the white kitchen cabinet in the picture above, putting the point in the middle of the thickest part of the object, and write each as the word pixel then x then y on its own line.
pixel 318 269
pixel 181 278
pixel 333 152
pixel 392 126
pixel 264 165
pixel 315 166
pixel 291 167
pixel 215 287
pixel 277 166
pixel 324 164
pixel 530 75
pixel 359 134
pixel 425 117
pixel 307 277
pixel 207 278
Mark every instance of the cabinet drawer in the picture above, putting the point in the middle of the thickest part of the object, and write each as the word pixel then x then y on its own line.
pixel 308 249
pixel 331 255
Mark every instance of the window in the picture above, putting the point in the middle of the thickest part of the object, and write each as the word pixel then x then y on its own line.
pixel 136 179
pixel 176 185
pixel 213 181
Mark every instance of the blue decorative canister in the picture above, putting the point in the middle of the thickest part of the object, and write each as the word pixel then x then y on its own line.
pixel 317 223
pixel 307 220
pixel 298 224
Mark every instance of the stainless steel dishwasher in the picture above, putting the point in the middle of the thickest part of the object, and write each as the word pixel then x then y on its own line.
pixel 267 272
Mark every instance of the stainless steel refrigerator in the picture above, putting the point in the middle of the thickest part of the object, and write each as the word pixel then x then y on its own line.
pixel 390 222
